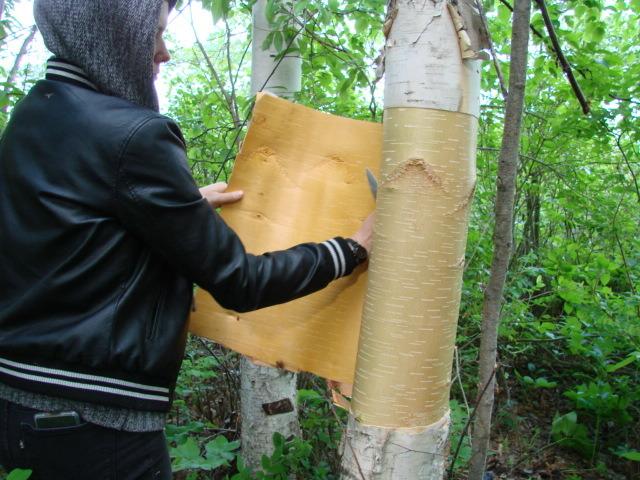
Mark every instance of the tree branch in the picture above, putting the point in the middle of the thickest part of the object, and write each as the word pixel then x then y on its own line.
pixel 230 101
pixel 503 234
pixel 563 61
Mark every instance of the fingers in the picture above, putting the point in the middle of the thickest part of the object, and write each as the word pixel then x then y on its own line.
pixel 228 197
pixel 216 196
pixel 217 187
pixel 364 236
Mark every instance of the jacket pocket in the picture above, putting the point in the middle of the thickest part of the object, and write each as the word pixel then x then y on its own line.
pixel 152 325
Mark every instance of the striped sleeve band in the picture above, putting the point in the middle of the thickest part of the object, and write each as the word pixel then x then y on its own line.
pixel 341 256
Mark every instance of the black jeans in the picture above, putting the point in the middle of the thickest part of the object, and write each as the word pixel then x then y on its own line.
pixel 84 451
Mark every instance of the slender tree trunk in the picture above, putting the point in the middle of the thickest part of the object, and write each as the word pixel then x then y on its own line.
pixel 267 395
pixel 285 81
pixel 531 229
pixel 399 423
pixel 503 234
pixel 13 73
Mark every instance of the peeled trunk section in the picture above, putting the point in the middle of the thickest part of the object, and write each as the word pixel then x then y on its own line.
pixel 400 407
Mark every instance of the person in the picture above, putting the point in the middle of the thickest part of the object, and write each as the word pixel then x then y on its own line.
pixel 103 233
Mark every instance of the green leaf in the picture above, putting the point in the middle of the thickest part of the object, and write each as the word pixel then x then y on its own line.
pixel 271 11
pixel 566 430
pixel 542 382
pixel 219 9
pixel 278 40
pixel 220 451
pixel 623 363
pixel 278 440
pixel 19 474
pixel 631 455
pixel 186 456
pixel 362 24
pixel 504 14
pixel 268 40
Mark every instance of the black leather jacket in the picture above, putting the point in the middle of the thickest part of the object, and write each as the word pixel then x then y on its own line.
pixel 102 234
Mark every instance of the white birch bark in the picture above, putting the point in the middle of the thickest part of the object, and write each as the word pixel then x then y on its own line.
pixel 286 79
pixel 399 421
pixel 262 385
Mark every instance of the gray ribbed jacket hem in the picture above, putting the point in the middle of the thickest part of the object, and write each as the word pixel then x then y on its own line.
pixel 109 417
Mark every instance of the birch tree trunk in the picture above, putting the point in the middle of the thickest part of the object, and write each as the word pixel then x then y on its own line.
pixel 399 422
pixel 502 236
pixel 267 395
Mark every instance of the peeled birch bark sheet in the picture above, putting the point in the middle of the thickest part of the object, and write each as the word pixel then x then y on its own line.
pixel 303 174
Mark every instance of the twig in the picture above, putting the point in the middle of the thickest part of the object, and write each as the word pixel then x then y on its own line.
pixel 355 457
pixel 563 61
pixel 469 420
pixel 624 257
pixel 231 79
pixel 230 100
pixel 464 397
pixel 244 54
pixel 492 49
pixel 624 99
pixel 533 455
pixel 246 118
pixel 626 160
pixel 346 439
pixel 232 385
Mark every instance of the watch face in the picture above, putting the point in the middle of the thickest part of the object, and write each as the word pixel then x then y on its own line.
pixel 359 252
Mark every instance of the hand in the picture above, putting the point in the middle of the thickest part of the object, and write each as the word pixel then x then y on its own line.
pixel 364 236
pixel 216 196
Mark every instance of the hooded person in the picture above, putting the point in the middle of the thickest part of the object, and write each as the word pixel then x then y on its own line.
pixel 111 41
pixel 103 233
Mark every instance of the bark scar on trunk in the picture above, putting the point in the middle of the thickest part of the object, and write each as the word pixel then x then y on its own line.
pixel 278 407
pixel 415 165
pixel 465 203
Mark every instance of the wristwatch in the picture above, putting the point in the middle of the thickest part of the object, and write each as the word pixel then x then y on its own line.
pixel 360 254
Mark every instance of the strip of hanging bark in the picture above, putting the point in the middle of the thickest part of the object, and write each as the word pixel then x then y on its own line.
pixel 563 61
pixel 473 38
pixel 503 236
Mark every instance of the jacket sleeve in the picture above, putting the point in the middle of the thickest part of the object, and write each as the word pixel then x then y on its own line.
pixel 158 201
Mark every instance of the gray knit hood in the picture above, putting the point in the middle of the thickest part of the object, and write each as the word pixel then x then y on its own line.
pixel 111 40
